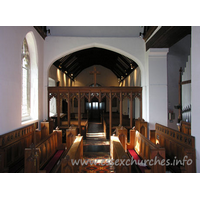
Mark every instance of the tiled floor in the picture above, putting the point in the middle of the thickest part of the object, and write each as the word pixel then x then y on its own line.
pixel 96 151
pixel 97 162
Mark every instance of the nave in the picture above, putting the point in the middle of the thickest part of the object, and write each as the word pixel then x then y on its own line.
pixel 96 149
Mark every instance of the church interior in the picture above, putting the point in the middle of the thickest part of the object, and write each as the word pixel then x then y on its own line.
pixel 92 99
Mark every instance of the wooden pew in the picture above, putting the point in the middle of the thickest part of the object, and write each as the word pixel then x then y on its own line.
pixel 12 147
pixel 71 134
pixel 46 128
pixel 178 145
pixel 75 153
pixel 84 126
pixel 141 126
pixel 37 157
pixel 118 153
pixel 147 151
pixel 186 127
pixel 121 132
pixel 115 122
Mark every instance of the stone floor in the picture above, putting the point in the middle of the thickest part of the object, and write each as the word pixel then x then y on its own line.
pixel 96 150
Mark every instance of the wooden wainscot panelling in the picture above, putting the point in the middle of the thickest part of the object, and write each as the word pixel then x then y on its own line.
pixel 75 153
pixel 118 153
pixel 12 146
pixel 178 145
pixel 42 153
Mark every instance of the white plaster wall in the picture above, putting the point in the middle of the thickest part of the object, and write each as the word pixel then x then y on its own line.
pixel 56 47
pixel 105 78
pixel 11 39
pixel 58 75
pixel 157 87
pixel 195 94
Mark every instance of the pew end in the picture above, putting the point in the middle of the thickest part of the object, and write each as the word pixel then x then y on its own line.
pixel 75 153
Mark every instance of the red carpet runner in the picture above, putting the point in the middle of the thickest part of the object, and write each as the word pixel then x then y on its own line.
pixel 137 159
pixel 53 161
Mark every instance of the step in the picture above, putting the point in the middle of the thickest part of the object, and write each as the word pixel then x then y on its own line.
pixel 96 146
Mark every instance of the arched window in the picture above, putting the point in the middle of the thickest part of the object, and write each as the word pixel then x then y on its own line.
pixel 25 81
pixel 29 63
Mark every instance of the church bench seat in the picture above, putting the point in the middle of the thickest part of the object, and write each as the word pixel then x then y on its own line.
pixel 136 157
pixel 121 132
pixel 141 126
pixel 115 123
pixel 178 145
pixel 186 127
pixel 84 126
pixel 53 161
pixel 147 151
pixel 36 158
pixel 118 153
pixel 75 153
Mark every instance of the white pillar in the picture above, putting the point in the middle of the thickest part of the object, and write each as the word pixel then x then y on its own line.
pixel 195 95
pixel 157 87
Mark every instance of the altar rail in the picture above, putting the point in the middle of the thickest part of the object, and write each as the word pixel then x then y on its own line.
pixel 12 146
pixel 177 145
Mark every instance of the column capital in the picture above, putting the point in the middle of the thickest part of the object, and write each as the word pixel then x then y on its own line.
pixel 158 52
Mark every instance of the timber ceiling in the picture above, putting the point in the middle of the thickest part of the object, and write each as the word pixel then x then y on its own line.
pixel 73 64
pixel 76 62
pixel 166 36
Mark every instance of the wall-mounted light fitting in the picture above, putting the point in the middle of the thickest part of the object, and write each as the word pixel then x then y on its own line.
pixel 132 67
pixel 141 34
pixel 48 32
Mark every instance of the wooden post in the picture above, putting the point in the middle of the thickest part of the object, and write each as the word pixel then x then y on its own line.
pixel 141 105
pixel 58 108
pixel 120 120
pixel 131 110
pixel 180 95
pixel 69 111
pixel 79 112
pixel 48 106
pixel 110 114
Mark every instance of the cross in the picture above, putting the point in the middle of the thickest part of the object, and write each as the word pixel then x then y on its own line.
pixel 95 72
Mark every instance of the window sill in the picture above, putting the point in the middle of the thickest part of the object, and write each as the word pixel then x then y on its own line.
pixel 28 122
